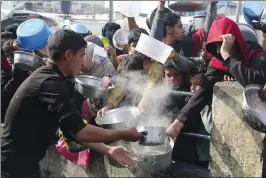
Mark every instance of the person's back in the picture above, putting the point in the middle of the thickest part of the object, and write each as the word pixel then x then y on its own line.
pixel 25 121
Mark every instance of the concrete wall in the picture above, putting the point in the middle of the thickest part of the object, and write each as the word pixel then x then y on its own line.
pixel 236 149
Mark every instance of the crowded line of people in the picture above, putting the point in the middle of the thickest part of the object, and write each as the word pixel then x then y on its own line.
pixel 36 105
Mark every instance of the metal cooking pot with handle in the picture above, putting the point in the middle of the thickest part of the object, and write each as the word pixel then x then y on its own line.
pixel 153 158
pixel 254 110
pixel 119 118
pixel 90 87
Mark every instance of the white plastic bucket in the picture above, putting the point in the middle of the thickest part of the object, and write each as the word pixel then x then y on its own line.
pixel 129 8
pixel 153 48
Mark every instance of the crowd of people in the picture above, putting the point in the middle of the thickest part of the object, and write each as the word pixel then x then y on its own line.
pixel 36 104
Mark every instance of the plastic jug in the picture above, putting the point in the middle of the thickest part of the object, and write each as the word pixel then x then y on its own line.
pixel 153 48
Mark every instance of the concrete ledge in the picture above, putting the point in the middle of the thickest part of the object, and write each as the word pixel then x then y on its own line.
pixel 236 149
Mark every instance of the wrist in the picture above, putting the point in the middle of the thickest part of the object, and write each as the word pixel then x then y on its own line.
pixel 109 106
pixel 226 55
pixel 107 150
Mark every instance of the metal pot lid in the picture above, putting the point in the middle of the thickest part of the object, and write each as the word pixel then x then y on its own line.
pixel 254 103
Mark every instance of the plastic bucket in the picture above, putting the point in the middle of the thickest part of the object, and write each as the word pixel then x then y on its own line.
pixel 33 34
pixel 252 10
pixel 153 48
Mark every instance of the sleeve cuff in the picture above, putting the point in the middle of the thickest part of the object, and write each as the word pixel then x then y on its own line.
pixel 229 62
pixel 182 117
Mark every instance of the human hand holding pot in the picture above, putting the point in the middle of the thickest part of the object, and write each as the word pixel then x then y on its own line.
pixel 263 93
pixel 110 49
pixel 121 155
pixel 102 112
pixel 174 129
pixel 173 55
pixel 121 57
pixel 132 135
pixel 106 82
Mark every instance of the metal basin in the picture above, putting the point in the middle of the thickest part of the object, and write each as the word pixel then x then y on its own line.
pixel 254 109
pixel 187 6
pixel 27 61
pixel 119 119
pixel 90 87
pixel 153 158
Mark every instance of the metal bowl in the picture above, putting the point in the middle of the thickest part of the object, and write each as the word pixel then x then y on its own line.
pixel 254 109
pixel 187 6
pixel 119 119
pixel 90 87
pixel 27 61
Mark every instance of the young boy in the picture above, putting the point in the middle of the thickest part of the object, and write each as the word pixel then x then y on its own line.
pixel 203 147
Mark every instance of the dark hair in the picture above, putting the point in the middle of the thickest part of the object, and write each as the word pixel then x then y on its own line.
pixel 170 19
pixel 13 29
pixel 63 40
pixel 199 71
pixel 133 62
pixel 109 30
pixel 6 36
pixel 8 46
pixel 134 36
pixel 169 64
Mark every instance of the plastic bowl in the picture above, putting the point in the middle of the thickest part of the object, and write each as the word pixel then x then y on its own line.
pixel 79 28
pixel 33 34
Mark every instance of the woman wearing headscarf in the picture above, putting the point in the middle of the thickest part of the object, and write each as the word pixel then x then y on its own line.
pixel 92 68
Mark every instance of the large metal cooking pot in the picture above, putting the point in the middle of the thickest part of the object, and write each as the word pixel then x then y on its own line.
pixel 199 21
pixel 254 109
pixel 187 6
pixel 248 33
pixel 27 61
pixel 119 118
pixel 153 158
pixel 90 87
